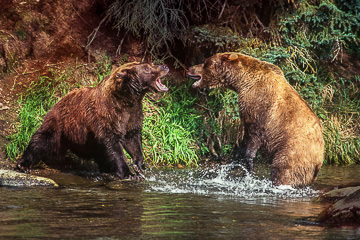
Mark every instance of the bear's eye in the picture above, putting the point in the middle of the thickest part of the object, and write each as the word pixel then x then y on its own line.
pixel 207 63
pixel 147 69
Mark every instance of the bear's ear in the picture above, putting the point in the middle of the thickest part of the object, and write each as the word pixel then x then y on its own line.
pixel 230 57
pixel 125 73
pixel 121 74
pixel 233 56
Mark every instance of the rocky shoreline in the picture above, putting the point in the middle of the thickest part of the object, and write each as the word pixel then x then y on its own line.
pixel 345 207
pixel 10 178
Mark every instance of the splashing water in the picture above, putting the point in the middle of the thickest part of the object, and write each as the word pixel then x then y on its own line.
pixel 223 181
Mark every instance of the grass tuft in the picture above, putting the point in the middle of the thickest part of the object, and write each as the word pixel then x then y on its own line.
pixel 169 128
pixel 39 98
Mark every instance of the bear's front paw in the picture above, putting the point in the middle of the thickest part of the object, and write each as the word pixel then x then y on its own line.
pixel 139 171
pixel 22 169
pixel 137 177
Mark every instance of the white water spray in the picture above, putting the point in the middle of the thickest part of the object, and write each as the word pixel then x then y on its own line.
pixel 223 181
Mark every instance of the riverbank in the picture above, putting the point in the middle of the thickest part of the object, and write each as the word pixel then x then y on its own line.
pixel 44 50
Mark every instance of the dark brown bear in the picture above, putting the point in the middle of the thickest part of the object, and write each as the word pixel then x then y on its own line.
pixel 276 119
pixel 99 122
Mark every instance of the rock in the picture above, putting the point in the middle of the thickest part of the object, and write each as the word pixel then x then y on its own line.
pixel 337 194
pixel 345 212
pixel 11 178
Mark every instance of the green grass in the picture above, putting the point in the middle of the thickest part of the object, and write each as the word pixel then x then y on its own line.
pixel 170 127
pixel 221 125
pixel 39 99
pixel 342 142
pixel 340 113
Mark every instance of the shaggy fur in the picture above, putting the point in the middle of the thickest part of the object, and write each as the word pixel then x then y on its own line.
pixel 98 122
pixel 276 119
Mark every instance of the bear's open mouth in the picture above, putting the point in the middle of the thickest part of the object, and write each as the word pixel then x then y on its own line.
pixel 161 87
pixel 197 78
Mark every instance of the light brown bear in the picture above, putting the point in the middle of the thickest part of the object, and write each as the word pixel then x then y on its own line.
pixel 276 118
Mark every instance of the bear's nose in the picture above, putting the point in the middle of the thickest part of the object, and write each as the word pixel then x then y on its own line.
pixel 164 67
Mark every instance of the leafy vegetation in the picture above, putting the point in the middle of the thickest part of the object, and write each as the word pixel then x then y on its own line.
pixel 40 97
pixel 170 128
pixel 162 23
pixel 29 120
pixel 340 112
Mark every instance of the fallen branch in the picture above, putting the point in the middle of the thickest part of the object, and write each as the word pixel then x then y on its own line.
pixel 222 9
pixel 92 35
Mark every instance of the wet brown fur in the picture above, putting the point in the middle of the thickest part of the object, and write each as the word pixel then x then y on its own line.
pixel 97 122
pixel 275 117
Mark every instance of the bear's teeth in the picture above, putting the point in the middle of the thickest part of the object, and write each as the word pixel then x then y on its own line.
pixel 196 84
pixel 161 86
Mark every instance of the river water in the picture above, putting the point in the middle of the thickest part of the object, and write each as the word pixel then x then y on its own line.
pixel 216 202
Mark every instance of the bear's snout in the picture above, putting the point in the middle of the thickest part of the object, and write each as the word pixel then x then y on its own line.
pixel 194 74
pixel 164 68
